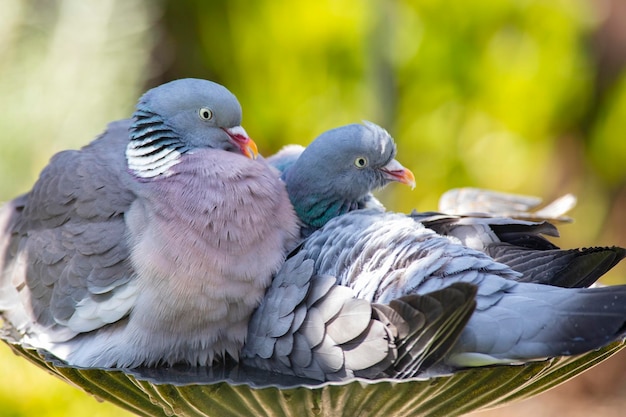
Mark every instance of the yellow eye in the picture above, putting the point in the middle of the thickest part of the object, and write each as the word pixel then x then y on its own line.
pixel 360 162
pixel 205 113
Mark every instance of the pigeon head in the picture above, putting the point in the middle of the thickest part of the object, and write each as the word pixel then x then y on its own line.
pixel 180 116
pixel 338 170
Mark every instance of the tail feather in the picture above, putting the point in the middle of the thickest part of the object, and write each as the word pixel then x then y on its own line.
pixel 572 268
pixel 538 321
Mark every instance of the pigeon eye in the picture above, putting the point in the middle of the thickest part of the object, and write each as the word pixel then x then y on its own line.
pixel 205 114
pixel 360 162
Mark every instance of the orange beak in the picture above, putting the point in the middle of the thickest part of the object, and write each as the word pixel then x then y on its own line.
pixel 243 141
pixel 394 171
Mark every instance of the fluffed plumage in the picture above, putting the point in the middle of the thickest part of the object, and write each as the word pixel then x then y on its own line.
pixel 486 314
pixel 153 244
pixel 309 326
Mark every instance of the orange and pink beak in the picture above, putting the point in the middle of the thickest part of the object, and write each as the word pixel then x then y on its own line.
pixel 394 171
pixel 243 141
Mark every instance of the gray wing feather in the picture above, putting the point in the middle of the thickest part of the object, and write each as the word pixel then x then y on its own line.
pixel 383 256
pixel 325 319
pixel 333 334
pixel 569 268
pixel 354 316
pixel 522 246
pixel 313 328
pixel 74 244
pixel 510 229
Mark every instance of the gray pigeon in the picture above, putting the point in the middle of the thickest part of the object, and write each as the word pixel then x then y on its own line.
pixel 380 260
pixel 323 182
pixel 151 245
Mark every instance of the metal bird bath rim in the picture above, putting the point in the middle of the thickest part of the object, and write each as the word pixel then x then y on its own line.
pixel 237 391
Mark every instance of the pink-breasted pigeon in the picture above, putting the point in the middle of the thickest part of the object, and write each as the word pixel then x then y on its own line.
pixel 151 245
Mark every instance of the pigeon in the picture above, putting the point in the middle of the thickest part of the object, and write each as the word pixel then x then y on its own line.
pixel 323 182
pixel 153 244
pixel 381 271
pixel 355 159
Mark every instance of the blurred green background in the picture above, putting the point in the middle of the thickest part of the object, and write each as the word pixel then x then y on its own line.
pixel 524 96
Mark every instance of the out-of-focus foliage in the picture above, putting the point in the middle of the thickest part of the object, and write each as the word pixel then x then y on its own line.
pixel 608 144
pixel 474 91
pixel 66 69
pixel 503 94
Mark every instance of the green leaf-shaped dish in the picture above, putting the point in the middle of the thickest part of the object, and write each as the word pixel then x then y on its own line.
pixel 221 392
